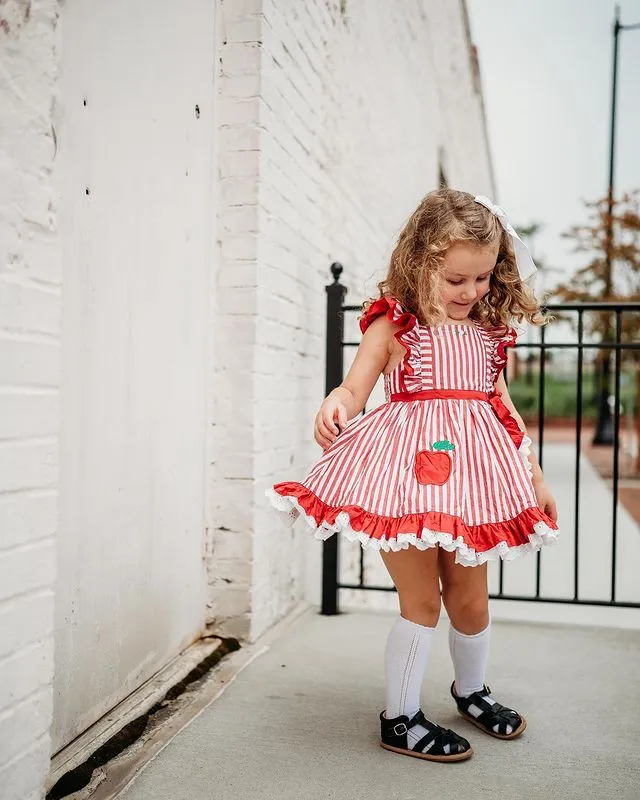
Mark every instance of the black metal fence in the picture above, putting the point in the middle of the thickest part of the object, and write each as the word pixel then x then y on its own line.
pixel 584 348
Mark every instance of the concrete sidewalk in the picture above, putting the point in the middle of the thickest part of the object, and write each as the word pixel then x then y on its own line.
pixel 301 721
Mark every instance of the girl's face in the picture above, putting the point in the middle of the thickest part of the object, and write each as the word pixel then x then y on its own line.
pixel 467 274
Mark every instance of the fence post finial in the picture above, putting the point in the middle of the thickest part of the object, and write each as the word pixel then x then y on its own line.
pixel 336 271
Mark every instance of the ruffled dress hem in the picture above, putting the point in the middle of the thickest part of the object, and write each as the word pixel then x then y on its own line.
pixel 504 540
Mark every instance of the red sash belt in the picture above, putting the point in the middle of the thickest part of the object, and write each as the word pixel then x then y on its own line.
pixel 494 399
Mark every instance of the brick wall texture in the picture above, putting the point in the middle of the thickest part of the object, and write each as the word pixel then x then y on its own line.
pixel 335 117
pixel 29 381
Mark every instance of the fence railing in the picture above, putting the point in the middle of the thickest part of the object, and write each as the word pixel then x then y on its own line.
pixel 583 348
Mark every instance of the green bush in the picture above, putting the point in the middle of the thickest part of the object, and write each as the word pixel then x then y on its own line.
pixel 560 396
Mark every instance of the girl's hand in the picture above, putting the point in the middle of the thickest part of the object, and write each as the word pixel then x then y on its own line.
pixel 346 401
pixel 331 420
pixel 545 500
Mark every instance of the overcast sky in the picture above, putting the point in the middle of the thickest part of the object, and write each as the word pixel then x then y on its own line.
pixel 546 72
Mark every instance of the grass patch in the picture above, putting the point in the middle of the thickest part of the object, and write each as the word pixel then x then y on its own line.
pixel 560 395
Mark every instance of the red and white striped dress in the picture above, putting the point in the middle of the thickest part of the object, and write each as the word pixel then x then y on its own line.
pixel 441 462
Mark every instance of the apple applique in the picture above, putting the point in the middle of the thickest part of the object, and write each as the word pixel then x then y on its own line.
pixel 434 466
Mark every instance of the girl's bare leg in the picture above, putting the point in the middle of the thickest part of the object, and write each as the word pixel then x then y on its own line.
pixel 466 598
pixel 464 593
pixel 415 575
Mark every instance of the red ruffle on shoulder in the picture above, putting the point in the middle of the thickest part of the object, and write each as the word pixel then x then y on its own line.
pixel 499 342
pixel 506 341
pixel 392 310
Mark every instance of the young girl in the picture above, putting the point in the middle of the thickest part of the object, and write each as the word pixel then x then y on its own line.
pixel 440 478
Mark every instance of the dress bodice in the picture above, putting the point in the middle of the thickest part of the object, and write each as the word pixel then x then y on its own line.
pixel 446 357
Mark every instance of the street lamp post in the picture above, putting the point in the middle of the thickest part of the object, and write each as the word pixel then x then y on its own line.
pixel 604 424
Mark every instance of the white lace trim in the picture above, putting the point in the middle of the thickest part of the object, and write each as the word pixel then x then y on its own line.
pixel 524 451
pixel 465 555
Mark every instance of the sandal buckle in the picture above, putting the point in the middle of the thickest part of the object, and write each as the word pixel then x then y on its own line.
pixel 400 732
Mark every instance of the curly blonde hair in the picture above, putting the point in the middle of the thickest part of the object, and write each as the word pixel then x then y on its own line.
pixel 443 218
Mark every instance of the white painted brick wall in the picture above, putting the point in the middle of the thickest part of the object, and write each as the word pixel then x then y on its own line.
pixel 330 118
pixel 229 546
pixel 29 379
pixel 341 110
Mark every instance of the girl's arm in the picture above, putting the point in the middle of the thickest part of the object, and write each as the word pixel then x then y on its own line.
pixel 543 494
pixel 347 400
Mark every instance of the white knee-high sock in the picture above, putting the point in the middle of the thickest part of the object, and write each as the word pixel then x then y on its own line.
pixel 469 655
pixel 406 659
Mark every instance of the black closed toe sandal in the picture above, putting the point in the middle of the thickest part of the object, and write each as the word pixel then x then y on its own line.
pixel 438 744
pixel 489 716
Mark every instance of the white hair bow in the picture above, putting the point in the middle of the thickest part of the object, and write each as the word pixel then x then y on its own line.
pixel 524 262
